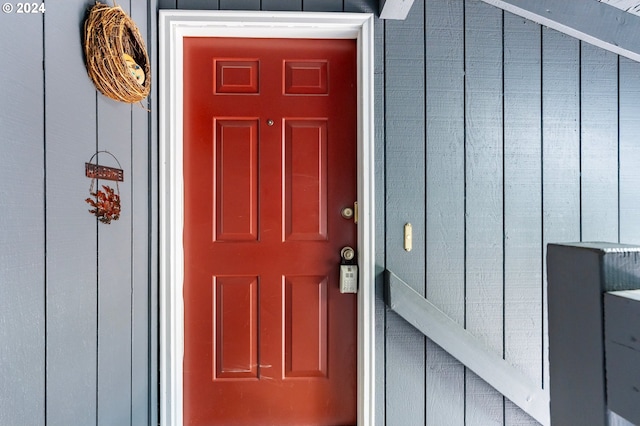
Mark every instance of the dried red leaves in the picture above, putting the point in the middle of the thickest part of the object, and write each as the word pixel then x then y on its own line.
pixel 106 206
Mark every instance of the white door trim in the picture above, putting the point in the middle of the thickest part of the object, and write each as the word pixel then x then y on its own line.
pixel 174 26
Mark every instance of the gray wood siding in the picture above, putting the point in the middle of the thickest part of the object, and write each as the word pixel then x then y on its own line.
pixel 560 153
pixel 629 151
pixel 72 235
pixel 522 215
pixel 493 137
pixel 599 144
pixel 405 200
pixel 74 294
pixel 484 252
pixel 445 201
pixel 529 139
pixel 22 225
pixel 380 307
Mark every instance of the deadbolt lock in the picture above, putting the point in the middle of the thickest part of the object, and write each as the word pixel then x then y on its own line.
pixel 351 212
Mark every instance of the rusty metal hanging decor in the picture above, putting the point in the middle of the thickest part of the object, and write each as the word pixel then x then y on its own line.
pixel 105 201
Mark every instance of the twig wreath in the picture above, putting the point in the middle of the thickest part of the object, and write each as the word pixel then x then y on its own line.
pixel 105 201
pixel 115 54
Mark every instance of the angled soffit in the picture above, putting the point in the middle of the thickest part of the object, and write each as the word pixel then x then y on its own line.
pixel 631 6
pixel 613 25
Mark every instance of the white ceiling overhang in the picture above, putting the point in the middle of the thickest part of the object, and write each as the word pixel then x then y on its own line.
pixel 613 25
pixel 631 6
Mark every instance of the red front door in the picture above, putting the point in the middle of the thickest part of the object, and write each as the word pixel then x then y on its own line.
pixel 269 163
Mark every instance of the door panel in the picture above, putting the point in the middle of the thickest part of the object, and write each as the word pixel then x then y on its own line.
pixel 269 160
pixel 305 78
pixel 236 333
pixel 305 181
pixel 305 319
pixel 236 180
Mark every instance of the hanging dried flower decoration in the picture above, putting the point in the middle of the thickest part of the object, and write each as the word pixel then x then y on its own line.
pixel 105 201
pixel 106 205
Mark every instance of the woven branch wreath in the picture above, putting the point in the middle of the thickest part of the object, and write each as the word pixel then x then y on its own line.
pixel 105 201
pixel 115 54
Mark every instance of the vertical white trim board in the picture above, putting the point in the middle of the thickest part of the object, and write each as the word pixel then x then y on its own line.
pixel 174 26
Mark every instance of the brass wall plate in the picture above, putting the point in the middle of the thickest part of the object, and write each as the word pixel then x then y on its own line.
pixel 408 237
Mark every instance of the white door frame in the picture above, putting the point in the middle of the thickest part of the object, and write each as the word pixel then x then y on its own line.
pixel 174 26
